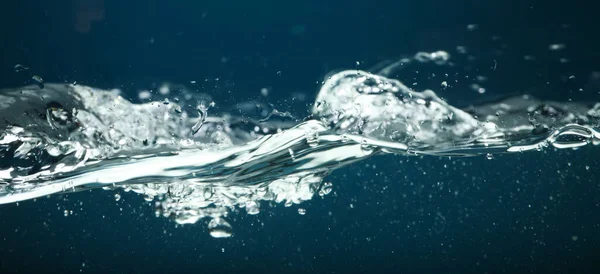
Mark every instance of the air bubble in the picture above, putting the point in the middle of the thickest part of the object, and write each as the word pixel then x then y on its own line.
pixel 252 207
pixel 219 228
pixel 312 138
pixel 325 188
pixel 38 81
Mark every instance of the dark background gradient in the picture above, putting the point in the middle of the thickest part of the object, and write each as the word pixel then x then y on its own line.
pixel 534 212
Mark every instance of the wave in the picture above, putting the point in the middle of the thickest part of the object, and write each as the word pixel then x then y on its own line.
pixel 66 138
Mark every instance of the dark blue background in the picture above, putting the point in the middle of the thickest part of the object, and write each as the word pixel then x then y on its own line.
pixel 405 216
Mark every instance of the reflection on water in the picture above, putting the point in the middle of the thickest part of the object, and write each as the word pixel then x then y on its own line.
pixel 66 138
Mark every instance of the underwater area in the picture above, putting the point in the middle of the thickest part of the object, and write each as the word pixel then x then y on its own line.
pixel 299 136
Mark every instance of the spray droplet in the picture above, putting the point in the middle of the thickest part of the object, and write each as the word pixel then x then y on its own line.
pixel 201 118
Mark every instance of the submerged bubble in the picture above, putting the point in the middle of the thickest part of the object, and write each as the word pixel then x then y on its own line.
pixel 366 147
pixel 472 27
pixel 252 208
pixel 19 68
pixel 312 138
pixel 59 118
pixel 219 228
pixel 325 188
pixel 117 197
pixel 38 81
pixel 438 57
pixel 264 92
pixel 143 95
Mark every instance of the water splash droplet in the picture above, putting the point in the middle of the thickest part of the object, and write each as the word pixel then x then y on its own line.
pixel 202 112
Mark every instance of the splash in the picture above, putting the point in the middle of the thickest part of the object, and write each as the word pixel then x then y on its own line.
pixel 67 138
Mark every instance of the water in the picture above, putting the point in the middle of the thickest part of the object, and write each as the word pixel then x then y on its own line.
pixel 68 138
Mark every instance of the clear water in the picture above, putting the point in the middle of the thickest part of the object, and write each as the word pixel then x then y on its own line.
pixel 194 164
